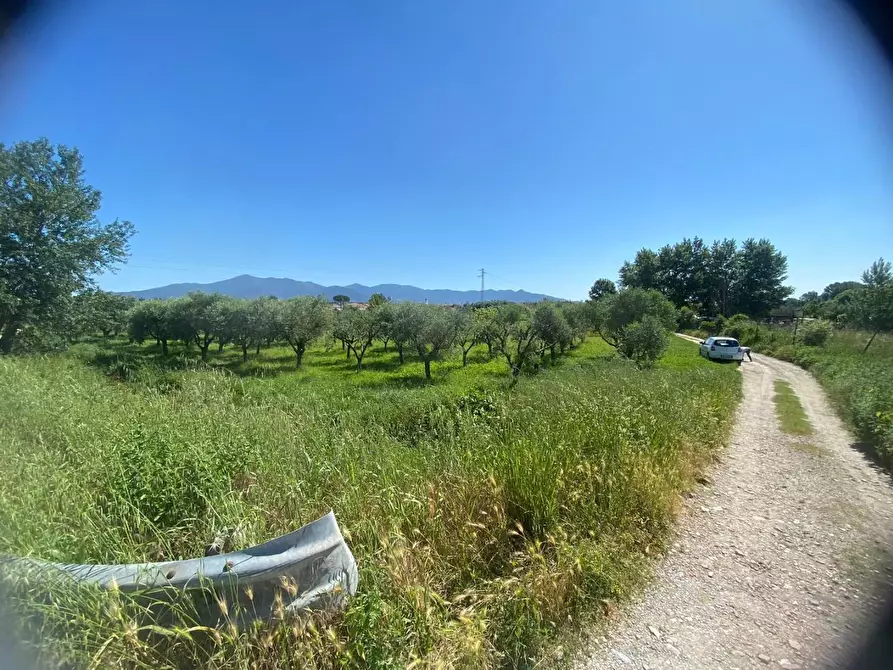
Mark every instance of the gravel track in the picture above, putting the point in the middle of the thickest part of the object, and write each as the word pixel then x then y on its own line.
pixel 781 559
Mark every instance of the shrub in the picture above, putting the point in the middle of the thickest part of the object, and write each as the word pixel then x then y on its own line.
pixel 710 327
pixel 815 333
pixel 644 341
pixel 686 319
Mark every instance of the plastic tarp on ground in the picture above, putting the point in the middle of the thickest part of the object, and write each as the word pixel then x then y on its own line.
pixel 311 568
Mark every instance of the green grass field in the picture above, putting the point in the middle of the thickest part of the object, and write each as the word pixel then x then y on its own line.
pixel 487 518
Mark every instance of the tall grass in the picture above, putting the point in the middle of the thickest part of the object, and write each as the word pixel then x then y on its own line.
pixel 484 517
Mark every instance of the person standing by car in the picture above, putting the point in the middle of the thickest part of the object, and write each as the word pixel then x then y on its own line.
pixel 746 350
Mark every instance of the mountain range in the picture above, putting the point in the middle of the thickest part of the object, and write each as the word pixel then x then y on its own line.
pixel 247 286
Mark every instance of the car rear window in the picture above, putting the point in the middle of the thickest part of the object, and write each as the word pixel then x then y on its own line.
pixel 726 343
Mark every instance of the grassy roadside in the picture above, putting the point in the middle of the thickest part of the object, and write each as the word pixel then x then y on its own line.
pixel 858 382
pixel 485 519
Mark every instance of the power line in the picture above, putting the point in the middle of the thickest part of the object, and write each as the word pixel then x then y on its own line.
pixel 483 272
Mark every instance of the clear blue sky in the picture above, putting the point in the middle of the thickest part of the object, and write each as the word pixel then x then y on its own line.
pixel 415 141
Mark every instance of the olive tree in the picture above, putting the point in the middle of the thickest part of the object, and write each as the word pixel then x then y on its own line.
pixel 52 245
pixel 514 335
pixel 551 328
pixel 199 318
pixel 152 319
pixel 621 322
pixel 303 320
pixel 436 333
pixel 467 332
pixel 406 320
pixel 356 328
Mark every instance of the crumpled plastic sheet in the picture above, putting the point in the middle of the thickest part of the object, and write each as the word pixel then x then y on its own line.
pixel 310 568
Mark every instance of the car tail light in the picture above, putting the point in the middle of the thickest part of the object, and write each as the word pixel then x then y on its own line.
pixel 712 348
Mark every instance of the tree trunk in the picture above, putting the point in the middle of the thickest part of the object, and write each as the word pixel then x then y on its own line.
pixel 348 351
pixel 400 352
pixel 870 341
pixel 489 349
pixel 359 357
pixel 245 352
pixel 220 346
pixel 9 336
pixel 386 340
pixel 343 346
pixel 257 349
pixel 205 351
pixel 163 346
pixel 465 357
pixel 552 353
pixel 299 354
pixel 427 368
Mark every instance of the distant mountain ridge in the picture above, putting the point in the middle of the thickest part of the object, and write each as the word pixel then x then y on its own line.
pixel 248 286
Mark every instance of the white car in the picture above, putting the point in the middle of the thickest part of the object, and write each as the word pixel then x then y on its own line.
pixel 722 348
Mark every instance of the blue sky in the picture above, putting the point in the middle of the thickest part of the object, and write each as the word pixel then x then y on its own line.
pixel 415 141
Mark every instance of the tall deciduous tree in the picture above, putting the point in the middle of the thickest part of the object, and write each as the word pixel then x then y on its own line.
pixel 762 270
pixel 51 242
pixel 601 288
pixel 878 275
pixel 303 320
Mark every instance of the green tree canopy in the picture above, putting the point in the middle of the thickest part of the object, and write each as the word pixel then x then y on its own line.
pixel 617 313
pixel 303 320
pixel 52 244
pixel 878 275
pixel 601 288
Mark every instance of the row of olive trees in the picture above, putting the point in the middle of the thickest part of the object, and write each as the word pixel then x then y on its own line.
pixel 634 321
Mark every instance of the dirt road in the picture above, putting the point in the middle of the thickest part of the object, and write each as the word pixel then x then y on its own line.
pixel 781 559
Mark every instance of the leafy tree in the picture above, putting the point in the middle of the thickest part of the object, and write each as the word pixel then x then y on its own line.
pixel 436 334
pixel 100 311
pixel 815 333
pixel 761 271
pixel 644 341
pixel 878 275
pixel 383 312
pixel 377 299
pixel 467 334
pixel 617 313
pixel 514 335
pixel 303 320
pixel 833 290
pixel 152 319
pixel 580 318
pixel 551 328
pixel 51 242
pixel 200 318
pixel 356 328
pixel 406 321
pixel 341 299
pixel 601 288
pixel 484 319
pixel 642 272
pixel 721 273
pixel 871 309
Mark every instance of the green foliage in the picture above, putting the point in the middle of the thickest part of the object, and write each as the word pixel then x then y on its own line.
pixel 303 320
pixel 871 309
pixel 815 333
pixel 644 341
pixel 878 275
pixel 686 319
pixel 341 299
pixel 551 327
pixel 94 311
pixel 601 288
pixel 482 517
pixel 51 242
pixel 720 279
pixel 437 330
pixel 616 313
pixel 356 328
pixel 377 299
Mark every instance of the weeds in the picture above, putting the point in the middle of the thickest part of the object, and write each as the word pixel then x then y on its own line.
pixel 483 518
